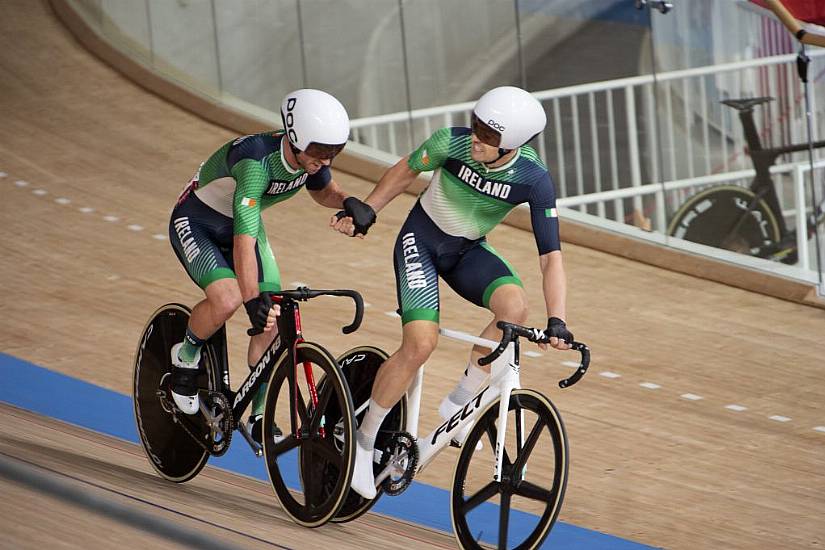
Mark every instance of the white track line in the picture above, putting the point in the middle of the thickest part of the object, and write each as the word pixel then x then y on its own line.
pixel 571 364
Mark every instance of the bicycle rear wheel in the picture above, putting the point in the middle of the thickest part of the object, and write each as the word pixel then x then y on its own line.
pixel 171 450
pixel 360 365
pixel 533 480
pixel 720 217
pixel 317 448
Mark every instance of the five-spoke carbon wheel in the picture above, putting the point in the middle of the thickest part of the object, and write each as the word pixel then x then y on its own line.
pixel 167 434
pixel 534 476
pixel 319 446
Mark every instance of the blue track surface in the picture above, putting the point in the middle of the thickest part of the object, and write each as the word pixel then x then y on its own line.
pixel 77 402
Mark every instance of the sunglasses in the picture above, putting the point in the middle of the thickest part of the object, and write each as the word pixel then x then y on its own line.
pixel 485 133
pixel 322 151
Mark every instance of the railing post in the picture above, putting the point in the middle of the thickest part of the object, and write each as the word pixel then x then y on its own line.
pixel 633 142
pixel 803 260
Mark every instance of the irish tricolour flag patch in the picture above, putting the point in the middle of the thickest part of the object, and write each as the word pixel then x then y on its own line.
pixel 551 213
pixel 246 201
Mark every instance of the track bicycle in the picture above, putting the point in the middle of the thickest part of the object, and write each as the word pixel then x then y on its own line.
pixel 746 220
pixel 528 429
pixel 178 445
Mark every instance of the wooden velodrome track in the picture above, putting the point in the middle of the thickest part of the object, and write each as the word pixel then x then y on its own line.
pixel 91 165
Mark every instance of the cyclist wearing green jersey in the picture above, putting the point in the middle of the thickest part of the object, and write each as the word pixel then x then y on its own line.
pixel 480 174
pixel 218 235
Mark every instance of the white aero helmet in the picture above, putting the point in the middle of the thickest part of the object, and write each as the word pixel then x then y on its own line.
pixel 315 122
pixel 512 113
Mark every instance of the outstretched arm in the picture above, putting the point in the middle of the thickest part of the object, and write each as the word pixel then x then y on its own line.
pixel 794 26
pixel 394 182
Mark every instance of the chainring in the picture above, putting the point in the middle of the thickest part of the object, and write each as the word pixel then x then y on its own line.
pixel 402 453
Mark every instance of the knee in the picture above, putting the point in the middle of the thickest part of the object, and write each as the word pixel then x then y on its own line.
pixel 225 305
pixel 513 311
pixel 417 352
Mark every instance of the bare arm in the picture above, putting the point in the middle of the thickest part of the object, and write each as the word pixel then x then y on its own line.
pixel 392 183
pixel 246 266
pixel 331 196
pixel 554 284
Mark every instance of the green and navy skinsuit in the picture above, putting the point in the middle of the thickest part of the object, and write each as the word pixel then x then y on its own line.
pixel 225 198
pixel 444 234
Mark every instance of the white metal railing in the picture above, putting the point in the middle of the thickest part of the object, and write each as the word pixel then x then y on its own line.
pixel 609 135
pixel 799 172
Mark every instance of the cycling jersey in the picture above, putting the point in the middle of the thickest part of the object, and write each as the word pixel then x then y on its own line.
pixel 226 197
pixel 467 199
pixel 444 234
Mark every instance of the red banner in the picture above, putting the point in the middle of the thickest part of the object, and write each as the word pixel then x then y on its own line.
pixel 810 11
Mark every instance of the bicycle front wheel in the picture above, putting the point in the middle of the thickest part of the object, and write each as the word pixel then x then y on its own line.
pixel 533 478
pixel 323 445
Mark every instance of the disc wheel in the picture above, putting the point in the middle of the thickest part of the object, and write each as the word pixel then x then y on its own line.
pixel 533 480
pixel 360 365
pixel 175 443
pixel 720 217
pixel 314 449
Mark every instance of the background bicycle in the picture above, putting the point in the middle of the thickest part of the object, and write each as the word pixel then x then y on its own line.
pixel 747 220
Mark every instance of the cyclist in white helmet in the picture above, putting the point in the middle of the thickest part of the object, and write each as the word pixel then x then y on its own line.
pixel 480 174
pixel 218 235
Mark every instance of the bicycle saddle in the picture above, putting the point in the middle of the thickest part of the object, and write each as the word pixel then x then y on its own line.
pixel 746 103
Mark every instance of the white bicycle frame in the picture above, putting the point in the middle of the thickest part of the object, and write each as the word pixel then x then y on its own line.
pixel 504 378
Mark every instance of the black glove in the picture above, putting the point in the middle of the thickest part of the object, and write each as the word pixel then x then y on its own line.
pixel 362 214
pixel 258 310
pixel 558 329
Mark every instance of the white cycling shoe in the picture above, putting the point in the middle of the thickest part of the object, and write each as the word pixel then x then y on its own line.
pixel 363 478
pixel 184 385
pixel 446 410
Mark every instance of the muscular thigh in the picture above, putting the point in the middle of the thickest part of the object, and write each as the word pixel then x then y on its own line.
pixel 479 272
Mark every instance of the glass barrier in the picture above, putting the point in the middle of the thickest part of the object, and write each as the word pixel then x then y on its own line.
pixel 732 123
pixel 652 118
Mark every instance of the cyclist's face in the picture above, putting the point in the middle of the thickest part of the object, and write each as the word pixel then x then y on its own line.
pixel 481 152
pixel 312 164
pixel 318 155
pixel 485 141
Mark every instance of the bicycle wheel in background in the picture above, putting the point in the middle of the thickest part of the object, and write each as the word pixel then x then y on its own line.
pixel 171 450
pixel 316 442
pixel 720 217
pixel 534 476
pixel 360 365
